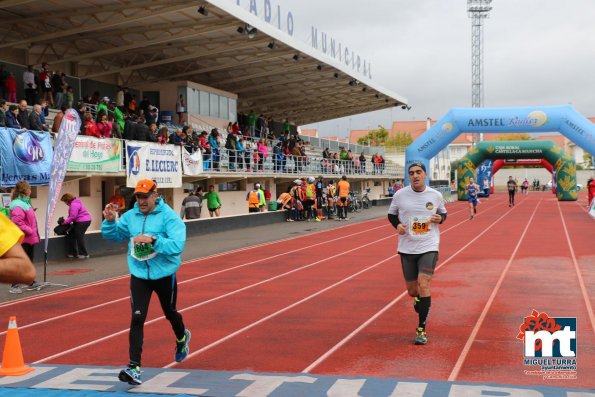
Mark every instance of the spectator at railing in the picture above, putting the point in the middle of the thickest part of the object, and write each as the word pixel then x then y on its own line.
pixel 29 84
pixel 230 144
pixel 58 89
pixel 263 152
pixel 279 158
pixel 132 104
pixel 3 110
pixel 178 137
pixel 120 98
pixel 240 151
pixel 103 125
pixel 235 128
pixel 35 123
pixel 213 141
pixel 102 106
pixel 23 115
pixel 90 126
pixel 45 83
pixel 12 117
pixel 162 135
pixel 252 123
pixel 10 86
pixel 116 131
pixel 362 163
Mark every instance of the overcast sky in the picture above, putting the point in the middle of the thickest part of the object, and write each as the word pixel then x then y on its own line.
pixel 536 53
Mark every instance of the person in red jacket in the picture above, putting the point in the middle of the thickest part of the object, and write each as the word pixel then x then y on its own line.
pixel 10 85
pixel 90 127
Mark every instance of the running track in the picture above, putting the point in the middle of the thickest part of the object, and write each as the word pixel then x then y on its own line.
pixel 334 303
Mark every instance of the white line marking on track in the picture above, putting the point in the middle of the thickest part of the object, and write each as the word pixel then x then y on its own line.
pixel 578 272
pixel 187 281
pixel 459 364
pixel 398 298
pixel 204 258
pixel 210 300
pixel 286 308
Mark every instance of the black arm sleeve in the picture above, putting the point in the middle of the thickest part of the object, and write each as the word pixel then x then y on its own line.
pixel 394 219
pixel 443 216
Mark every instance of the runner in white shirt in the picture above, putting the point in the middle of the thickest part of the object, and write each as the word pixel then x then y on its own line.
pixel 415 212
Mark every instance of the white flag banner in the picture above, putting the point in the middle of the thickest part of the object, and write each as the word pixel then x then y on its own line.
pixel 160 163
pixel 192 163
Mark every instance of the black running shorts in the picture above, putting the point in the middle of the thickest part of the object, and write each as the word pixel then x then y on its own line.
pixel 414 264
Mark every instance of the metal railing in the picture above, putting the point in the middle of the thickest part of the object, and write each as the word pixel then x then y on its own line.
pixel 224 160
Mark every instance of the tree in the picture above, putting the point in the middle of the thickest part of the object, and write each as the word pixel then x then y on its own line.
pixel 587 159
pixel 517 136
pixel 400 139
pixel 374 137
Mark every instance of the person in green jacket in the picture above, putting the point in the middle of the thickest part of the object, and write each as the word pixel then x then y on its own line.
pixel 213 201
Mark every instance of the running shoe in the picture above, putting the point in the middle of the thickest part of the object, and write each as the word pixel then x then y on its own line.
pixel 183 347
pixel 420 337
pixel 15 289
pixel 131 375
pixel 34 286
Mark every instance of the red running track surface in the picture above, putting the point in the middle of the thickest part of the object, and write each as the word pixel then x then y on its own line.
pixel 334 302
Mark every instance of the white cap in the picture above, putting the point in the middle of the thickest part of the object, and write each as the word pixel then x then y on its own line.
pixel 311 179
pixel 257 186
pixel 297 181
pixel 105 99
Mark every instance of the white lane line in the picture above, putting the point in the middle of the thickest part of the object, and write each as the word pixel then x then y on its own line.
pixel 64 315
pixel 578 271
pixel 394 301
pixel 216 298
pixel 91 343
pixel 204 258
pixel 278 312
pixel 459 364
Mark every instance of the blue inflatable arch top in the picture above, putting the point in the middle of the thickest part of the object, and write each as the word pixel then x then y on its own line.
pixel 563 119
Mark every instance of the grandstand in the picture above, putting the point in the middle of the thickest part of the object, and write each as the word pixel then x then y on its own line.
pixel 226 62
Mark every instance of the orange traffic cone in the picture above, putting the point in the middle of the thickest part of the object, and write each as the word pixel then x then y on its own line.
pixel 12 358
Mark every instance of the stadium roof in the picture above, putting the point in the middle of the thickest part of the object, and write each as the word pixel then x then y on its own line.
pixel 132 42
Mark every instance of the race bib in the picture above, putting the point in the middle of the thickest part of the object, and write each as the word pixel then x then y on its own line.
pixel 419 226
pixel 141 251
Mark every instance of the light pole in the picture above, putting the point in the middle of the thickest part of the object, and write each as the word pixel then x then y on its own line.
pixel 477 10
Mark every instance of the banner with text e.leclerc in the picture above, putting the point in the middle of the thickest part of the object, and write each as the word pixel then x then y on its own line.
pixel 192 163
pixel 91 154
pixel 147 160
pixel 25 155
pixel 69 129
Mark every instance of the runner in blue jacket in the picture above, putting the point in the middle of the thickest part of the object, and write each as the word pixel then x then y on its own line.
pixel 156 237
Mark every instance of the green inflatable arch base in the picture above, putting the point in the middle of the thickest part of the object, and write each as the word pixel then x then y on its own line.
pixel 564 165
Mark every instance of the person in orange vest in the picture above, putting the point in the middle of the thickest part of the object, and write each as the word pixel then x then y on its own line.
pixel 253 198
pixel 285 202
pixel 343 193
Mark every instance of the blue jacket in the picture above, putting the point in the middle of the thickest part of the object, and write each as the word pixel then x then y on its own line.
pixel 164 225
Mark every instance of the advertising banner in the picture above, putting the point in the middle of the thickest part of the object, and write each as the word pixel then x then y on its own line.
pixel 192 163
pixel 92 154
pixel 25 155
pixel 160 163
pixel 69 129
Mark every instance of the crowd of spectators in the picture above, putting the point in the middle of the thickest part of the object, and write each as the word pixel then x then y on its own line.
pixel 246 144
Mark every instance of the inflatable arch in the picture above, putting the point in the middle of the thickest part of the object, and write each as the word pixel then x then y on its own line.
pixel 563 165
pixel 563 119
